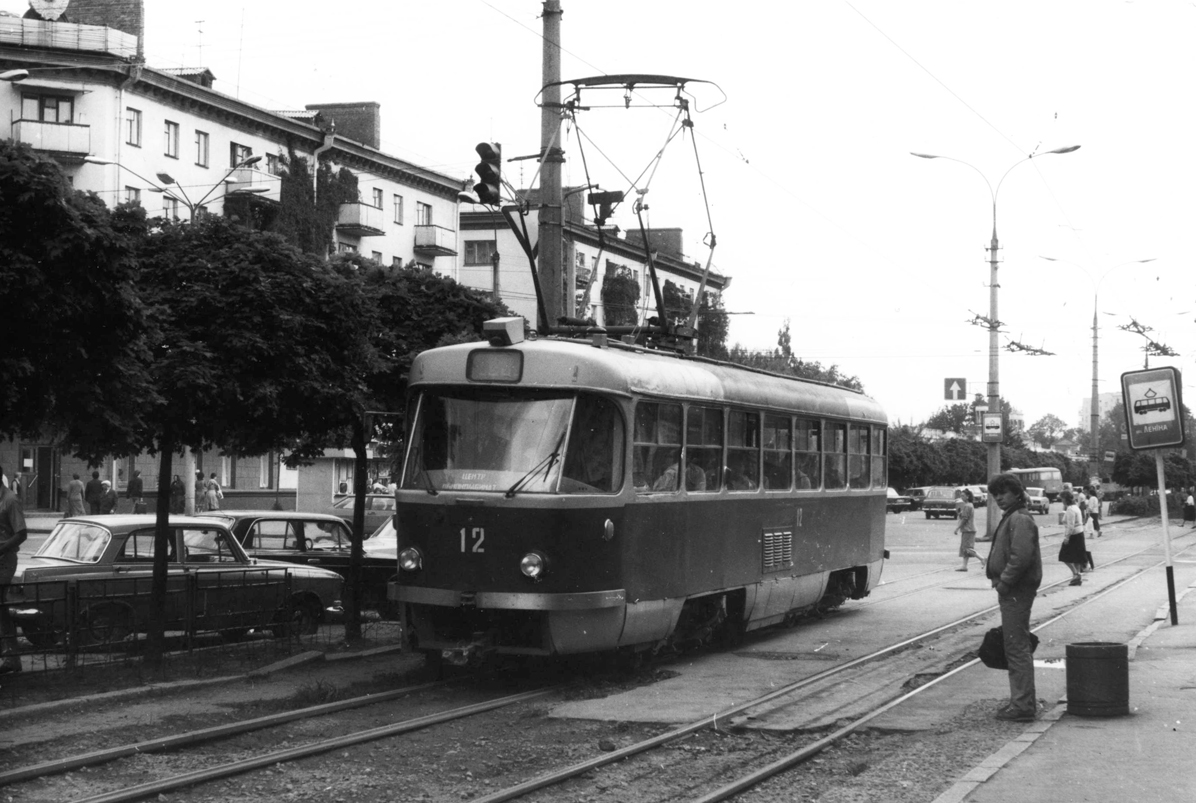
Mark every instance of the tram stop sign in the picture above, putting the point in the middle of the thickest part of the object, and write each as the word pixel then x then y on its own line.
pixel 1154 414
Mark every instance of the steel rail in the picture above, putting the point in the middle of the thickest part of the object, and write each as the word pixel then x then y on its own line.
pixel 558 776
pixel 327 745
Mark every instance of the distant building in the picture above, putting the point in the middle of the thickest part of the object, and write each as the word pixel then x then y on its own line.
pixel 1105 403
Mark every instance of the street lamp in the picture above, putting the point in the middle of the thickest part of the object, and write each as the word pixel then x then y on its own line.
pixel 994 393
pixel 1094 419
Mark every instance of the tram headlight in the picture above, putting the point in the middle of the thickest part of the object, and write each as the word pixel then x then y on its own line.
pixel 533 565
pixel 410 559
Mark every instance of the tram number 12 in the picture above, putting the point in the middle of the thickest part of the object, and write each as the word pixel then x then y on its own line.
pixel 476 535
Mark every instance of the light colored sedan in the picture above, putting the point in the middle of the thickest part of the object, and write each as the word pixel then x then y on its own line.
pixel 91 582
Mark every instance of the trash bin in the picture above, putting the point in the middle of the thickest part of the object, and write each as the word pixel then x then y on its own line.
pixel 1098 679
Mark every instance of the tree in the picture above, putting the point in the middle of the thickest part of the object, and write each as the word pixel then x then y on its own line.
pixel 951 418
pixel 620 292
pixel 74 326
pixel 1048 430
pixel 783 361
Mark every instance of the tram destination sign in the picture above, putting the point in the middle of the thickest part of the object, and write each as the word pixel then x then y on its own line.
pixel 1154 415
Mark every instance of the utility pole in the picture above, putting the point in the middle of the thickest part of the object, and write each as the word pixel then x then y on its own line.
pixel 551 154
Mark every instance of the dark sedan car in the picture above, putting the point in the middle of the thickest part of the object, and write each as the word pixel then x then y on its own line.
pixel 939 501
pixel 91 581
pixel 313 539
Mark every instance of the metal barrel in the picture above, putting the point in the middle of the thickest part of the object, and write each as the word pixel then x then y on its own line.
pixel 1098 682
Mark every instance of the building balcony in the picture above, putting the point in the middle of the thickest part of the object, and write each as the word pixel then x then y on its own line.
pixel 67 36
pixel 54 139
pixel 361 220
pixel 259 183
pixel 435 241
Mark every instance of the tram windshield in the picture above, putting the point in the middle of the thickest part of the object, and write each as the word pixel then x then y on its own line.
pixel 515 441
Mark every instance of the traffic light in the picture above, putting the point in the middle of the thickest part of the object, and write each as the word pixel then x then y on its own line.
pixel 489 170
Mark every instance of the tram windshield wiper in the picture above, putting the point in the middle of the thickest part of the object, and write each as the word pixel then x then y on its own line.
pixel 547 463
pixel 428 484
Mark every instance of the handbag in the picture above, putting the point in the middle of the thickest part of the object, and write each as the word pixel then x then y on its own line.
pixel 139 506
pixel 992 648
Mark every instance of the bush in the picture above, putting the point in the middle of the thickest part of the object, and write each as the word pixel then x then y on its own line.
pixel 1135 506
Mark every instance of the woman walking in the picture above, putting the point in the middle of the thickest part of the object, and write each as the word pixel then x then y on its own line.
pixel 967 529
pixel 1072 552
pixel 1190 509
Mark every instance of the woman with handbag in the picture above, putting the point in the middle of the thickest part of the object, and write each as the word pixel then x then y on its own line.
pixel 1072 551
pixel 967 529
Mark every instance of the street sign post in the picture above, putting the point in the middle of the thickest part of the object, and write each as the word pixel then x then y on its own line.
pixel 955 389
pixel 1154 420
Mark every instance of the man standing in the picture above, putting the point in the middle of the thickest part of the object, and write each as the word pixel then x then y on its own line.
pixel 95 490
pixel 133 490
pixel 1015 569
pixel 12 534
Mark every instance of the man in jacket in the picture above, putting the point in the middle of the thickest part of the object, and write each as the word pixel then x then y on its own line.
pixel 133 490
pixel 95 489
pixel 12 534
pixel 1015 569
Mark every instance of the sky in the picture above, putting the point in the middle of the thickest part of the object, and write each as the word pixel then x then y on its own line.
pixel 820 214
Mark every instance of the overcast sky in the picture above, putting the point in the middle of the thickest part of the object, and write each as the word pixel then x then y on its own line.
pixel 877 258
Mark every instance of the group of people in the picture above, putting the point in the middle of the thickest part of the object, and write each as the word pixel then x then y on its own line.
pixel 98 496
pixel 1081 511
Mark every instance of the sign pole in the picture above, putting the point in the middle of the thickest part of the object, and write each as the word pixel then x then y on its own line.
pixel 1158 462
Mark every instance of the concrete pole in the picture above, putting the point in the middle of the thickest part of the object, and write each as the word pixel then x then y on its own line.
pixel 1096 457
pixel 994 388
pixel 552 155
pixel 188 481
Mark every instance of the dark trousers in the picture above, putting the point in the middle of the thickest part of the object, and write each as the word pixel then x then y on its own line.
pixel 1015 624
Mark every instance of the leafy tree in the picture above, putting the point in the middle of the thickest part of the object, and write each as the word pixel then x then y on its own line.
pixel 951 418
pixel 305 221
pixel 1048 430
pixel 620 292
pixel 783 361
pixel 711 322
pixel 74 325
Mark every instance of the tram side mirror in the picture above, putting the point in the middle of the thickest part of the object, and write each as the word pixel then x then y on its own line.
pixel 503 331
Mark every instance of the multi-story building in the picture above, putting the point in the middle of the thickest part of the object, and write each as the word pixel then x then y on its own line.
pixel 588 256
pixel 76 89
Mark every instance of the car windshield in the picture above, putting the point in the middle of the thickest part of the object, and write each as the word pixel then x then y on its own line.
pixel 515 441
pixel 945 493
pixel 77 541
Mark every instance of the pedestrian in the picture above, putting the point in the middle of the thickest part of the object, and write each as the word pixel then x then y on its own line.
pixel 108 498
pixel 13 533
pixel 178 495
pixel 1015 569
pixel 966 530
pixel 93 492
pixel 212 493
pixel 133 492
pixel 201 496
pixel 1190 509
pixel 1072 552
pixel 1094 511
pixel 74 497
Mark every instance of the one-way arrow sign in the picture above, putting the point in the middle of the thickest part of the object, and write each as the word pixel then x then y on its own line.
pixel 955 389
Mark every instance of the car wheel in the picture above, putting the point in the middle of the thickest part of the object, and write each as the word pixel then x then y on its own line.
pixel 40 637
pixel 928 515
pixel 303 619
pixel 108 623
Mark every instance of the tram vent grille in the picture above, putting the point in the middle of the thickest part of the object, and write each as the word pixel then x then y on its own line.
pixel 778 550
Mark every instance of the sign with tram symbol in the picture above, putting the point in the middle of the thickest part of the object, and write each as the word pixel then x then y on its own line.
pixel 1153 408
pixel 955 389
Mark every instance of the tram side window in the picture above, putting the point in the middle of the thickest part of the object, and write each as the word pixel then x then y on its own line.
pixel 704 449
pixel 808 458
pixel 880 473
pixel 857 456
pixel 778 453
pixel 835 456
pixel 594 459
pixel 657 447
pixel 743 451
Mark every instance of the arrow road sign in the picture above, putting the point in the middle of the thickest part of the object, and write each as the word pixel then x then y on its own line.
pixel 955 389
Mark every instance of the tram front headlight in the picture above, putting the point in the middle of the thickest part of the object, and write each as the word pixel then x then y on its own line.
pixel 410 559
pixel 533 565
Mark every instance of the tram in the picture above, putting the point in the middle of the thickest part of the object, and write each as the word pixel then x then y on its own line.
pixel 563 496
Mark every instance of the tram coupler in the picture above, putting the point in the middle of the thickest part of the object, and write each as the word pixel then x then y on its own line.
pixel 470 653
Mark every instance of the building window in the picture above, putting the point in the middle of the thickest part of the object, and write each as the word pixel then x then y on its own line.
pixel 346 248
pixel 172 140
pixel 170 208
pixel 274 164
pixel 377 194
pixel 133 127
pixel 132 195
pixel 201 148
pixel 423 214
pixel 376 256
pixel 265 470
pixel 47 108
pixel 479 252
pixel 238 153
pixel 399 209
pixel 396 262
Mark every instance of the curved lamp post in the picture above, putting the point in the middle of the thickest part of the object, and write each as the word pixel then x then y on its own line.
pixel 1094 419
pixel 994 393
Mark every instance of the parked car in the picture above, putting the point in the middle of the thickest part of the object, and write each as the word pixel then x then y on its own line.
pixel 1039 502
pixel 916 495
pixel 378 509
pixel 979 494
pixel 96 572
pixel 940 501
pixel 314 539
pixel 896 502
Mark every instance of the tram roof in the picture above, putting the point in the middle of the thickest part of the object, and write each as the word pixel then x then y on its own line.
pixel 552 363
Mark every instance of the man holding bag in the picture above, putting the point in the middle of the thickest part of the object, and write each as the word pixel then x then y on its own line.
pixel 1015 569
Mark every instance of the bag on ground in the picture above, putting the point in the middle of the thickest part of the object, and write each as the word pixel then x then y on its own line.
pixel 992 649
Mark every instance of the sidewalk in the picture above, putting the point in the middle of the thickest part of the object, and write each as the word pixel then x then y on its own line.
pixel 41 521
pixel 1145 756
